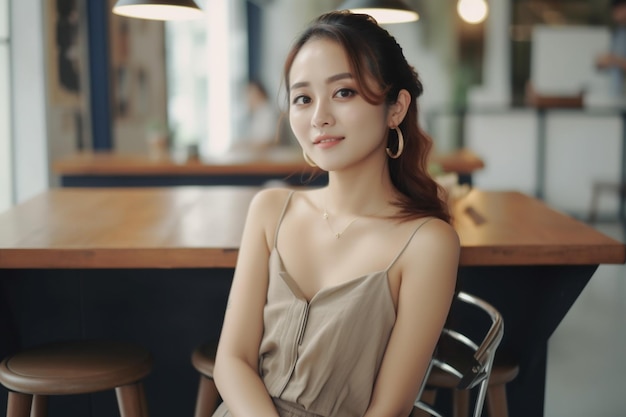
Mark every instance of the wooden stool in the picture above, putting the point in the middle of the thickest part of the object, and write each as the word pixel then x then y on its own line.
pixel 77 367
pixel 501 374
pixel 203 359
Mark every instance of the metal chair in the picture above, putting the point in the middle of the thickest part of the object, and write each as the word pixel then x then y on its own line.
pixel 469 363
pixel 465 354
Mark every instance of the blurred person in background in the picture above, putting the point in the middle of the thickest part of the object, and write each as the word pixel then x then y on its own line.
pixel 261 120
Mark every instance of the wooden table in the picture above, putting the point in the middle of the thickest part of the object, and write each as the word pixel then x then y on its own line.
pixel 197 227
pixel 115 170
pixel 154 265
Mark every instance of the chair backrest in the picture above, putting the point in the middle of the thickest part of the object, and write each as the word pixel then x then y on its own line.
pixel 467 347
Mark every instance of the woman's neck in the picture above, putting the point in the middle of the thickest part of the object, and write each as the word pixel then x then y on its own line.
pixel 360 194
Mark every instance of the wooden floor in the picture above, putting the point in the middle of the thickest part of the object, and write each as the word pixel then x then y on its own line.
pixel 587 353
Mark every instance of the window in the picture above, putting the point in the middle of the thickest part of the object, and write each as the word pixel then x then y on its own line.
pixel 206 71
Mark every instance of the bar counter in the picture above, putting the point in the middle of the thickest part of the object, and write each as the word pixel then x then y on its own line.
pixel 154 266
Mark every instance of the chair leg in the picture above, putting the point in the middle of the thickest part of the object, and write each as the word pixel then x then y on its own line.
pixel 144 401
pixel 496 401
pixel 428 396
pixel 460 403
pixel 18 404
pixel 131 400
pixel 39 406
pixel 208 397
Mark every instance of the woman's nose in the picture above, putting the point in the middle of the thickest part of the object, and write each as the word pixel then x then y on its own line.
pixel 322 115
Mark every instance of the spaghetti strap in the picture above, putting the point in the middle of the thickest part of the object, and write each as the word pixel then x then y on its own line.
pixel 407 243
pixel 282 214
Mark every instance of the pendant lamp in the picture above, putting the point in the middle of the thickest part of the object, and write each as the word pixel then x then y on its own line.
pixel 384 11
pixel 159 9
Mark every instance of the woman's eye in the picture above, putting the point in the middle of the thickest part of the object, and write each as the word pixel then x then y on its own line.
pixel 345 93
pixel 301 100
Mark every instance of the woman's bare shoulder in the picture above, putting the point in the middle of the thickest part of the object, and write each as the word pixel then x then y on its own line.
pixel 269 200
pixel 432 227
pixel 435 236
pixel 434 257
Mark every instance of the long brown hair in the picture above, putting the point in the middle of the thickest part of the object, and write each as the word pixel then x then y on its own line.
pixel 374 54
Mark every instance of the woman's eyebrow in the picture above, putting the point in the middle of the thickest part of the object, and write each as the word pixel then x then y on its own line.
pixel 329 80
pixel 338 77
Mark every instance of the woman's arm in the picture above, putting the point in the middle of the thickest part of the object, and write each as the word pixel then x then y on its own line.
pixel 236 366
pixel 429 270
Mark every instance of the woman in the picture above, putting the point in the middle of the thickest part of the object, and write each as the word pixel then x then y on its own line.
pixel 362 272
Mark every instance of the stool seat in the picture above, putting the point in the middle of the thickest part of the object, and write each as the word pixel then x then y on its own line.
pixel 203 358
pixel 76 367
pixel 503 374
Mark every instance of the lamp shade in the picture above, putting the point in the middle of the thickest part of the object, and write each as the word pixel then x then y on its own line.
pixel 384 11
pixel 159 9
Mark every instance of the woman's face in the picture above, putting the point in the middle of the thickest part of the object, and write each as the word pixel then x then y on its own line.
pixel 332 121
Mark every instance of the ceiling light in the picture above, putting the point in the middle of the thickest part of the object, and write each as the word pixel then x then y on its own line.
pixel 472 11
pixel 384 11
pixel 159 9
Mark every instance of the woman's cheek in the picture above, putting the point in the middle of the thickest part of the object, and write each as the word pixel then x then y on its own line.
pixel 298 125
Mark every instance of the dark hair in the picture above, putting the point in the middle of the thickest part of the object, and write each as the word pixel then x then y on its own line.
pixel 373 53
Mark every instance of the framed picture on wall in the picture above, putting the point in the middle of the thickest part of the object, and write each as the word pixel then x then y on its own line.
pixel 138 80
pixel 67 83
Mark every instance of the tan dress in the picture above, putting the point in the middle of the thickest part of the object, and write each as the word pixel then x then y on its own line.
pixel 321 357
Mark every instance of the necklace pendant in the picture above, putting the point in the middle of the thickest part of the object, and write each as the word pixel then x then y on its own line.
pixel 337 235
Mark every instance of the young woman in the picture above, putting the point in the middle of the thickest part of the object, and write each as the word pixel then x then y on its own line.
pixel 340 293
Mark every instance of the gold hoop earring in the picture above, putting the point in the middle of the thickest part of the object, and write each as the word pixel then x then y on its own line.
pixel 307 159
pixel 400 145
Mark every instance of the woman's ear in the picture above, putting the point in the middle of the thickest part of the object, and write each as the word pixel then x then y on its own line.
pixel 398 110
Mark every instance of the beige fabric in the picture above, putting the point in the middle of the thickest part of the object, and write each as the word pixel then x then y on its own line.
pixel 320 358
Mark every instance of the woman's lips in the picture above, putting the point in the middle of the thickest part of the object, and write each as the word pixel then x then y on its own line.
pixel 327 141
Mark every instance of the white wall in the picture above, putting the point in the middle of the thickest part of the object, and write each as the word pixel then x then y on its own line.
pixel 582 149
pixel 6 164
pixel 28 99
pixel 507 143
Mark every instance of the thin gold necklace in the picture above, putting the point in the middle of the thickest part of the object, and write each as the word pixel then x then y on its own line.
pixel 337 234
